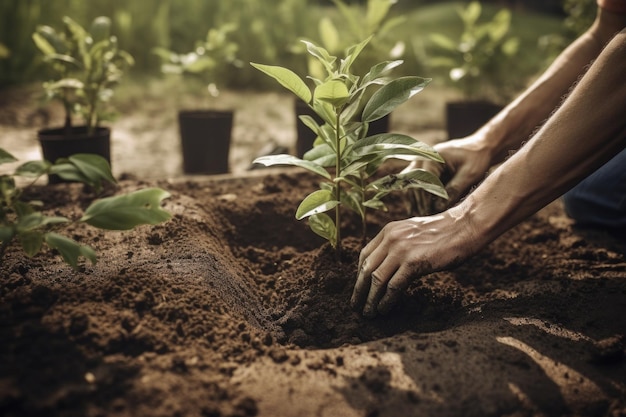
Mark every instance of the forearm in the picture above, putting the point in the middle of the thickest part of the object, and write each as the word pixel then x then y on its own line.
pixel 517 122
pixel 585 132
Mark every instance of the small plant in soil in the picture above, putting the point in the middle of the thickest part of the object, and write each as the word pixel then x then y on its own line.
pixel 23 222
pixel 86 66
pixel 343 155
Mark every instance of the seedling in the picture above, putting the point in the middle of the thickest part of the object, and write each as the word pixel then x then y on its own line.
pixel 343 155
pixel 23 222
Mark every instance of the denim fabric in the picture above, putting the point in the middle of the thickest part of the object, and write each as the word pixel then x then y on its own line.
pixel 600 199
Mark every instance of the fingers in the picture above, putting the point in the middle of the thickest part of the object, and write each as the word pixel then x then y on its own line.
pixel 378 287
pixel 380 280
pixel 386 284
pixel 364 277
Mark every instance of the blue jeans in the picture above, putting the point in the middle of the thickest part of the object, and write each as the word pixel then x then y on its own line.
pixel 600 199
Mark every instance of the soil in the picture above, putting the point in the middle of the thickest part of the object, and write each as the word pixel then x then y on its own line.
pixel 234 308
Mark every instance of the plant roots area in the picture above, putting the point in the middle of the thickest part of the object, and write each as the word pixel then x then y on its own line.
pixel 235 308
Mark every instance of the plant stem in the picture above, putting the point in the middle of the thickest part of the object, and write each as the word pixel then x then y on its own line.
pixel 338 186
pixel 364 216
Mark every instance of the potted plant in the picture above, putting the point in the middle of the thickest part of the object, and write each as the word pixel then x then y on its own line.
pixel 85 66
pixel 359 23
pixel 205 133
pixel 22 221
pixel 345 155
pixel 478 64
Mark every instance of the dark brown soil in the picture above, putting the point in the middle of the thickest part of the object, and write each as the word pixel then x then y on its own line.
pixel 234 308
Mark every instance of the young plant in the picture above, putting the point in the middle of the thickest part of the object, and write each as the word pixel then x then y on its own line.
pixel 86 65
pixel 344 156
pixel 478 61
pixel 22 222
pixel 208 61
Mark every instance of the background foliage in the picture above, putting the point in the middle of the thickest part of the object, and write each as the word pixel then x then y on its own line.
pixel 267 30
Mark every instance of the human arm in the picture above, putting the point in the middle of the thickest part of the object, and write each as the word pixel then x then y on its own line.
pixel 585 132
pixel 468 159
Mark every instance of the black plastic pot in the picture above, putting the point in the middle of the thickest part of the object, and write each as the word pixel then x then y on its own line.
pixel 465 117
pixel 205 138
pixel 57 143
pixel 306 137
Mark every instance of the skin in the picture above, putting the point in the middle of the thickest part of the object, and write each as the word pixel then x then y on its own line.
pixel 587 128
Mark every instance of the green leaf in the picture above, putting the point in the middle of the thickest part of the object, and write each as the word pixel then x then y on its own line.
pixel 417 178
pixel 34 220
pixel 403 144
pixel 94 167
pixel 329 34
pixel 322 225
pixel 6 234
pixel 471 13
pixel 6 157
pixel 334 92
pixel 288 79
pixel 127 211
pixel 71 83
pixel 375 204
pixel 48 40
pixel 391 95
pixel 322 155
pixel 31 242
pixel 67 171
pixel 283 159
pixel 317 202
pixel 42 43
pixel 100 28
pixel 321 55
pixel 69 249
pixel 33 169
pixel 379 70
pixel 443 42
pixel 353 53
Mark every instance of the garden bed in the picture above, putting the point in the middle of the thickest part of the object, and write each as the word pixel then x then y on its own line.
pixel 234 308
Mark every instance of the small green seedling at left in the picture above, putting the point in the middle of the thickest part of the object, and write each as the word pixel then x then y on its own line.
pixel 22 221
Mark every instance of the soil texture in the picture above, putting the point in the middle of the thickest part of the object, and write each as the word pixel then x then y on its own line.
pixel 235 308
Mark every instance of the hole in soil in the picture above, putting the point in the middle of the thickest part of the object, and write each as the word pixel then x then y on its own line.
pixel 294 275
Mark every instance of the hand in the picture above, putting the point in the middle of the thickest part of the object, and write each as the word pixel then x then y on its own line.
pixel 405 250
pixel 466 163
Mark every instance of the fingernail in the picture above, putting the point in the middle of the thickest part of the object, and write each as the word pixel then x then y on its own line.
pixel 368 311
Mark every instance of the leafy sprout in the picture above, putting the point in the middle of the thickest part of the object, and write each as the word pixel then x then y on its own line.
pixel 343 155
pixel 23 222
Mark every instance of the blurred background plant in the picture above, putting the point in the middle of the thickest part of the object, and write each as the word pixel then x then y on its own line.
pixel 210 60
pixel 84 68
pixel 478 61
pixel 267 30
pixel 351 23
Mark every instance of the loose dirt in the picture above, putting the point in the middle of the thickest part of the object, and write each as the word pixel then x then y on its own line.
pixel 234 308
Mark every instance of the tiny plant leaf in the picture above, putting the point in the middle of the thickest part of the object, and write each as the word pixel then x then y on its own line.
pixel 287 79
pixel 317 202
pixel 69 249
pixel 127 211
